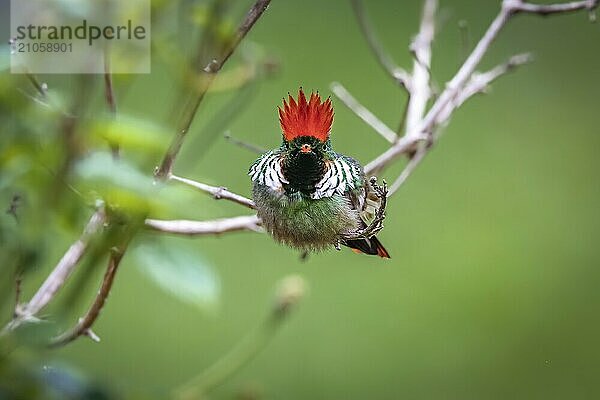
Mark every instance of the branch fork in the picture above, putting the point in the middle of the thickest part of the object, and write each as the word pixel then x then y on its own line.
pixel 422 122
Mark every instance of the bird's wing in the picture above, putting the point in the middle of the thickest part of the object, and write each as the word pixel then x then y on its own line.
pixel 358 190
pixel 366 202
pixel 342 176
pixel 267 171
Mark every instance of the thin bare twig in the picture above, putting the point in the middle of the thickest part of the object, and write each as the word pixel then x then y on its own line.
pixel 12 210
pixel 109 93
pixel 398 74
pixel 216 191
pixel 13 207
pixel 39 87
pixel 84 325
pixel 246 145
pixel 109 96
pixel 465 39
pixel 59 275
pixel 18 291
pixel 404 145
pixel 42 97
pixel 408 169
pixel 199 228
pixel 208 74
pixel 549 9
pixel 363 113
pixel 479 83
pixel 421 48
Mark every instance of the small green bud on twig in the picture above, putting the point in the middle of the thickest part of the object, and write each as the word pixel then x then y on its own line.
pixel 290 290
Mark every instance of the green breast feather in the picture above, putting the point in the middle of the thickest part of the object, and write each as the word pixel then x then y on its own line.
pixel 304 223
pixel 312 222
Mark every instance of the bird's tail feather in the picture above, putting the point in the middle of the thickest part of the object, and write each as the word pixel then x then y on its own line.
pixel 371 246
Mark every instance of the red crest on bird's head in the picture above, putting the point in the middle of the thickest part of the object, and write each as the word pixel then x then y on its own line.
pixel 306 118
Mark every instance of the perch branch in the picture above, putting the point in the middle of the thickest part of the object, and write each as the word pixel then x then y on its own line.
pixel 208 74
pixel 361 111
pixel 59 275
pixel 198 228
pixel 84 326
pixel 394 71
pixel 218 192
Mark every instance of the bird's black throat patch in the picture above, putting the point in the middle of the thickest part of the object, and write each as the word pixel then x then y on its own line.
pixel 303 170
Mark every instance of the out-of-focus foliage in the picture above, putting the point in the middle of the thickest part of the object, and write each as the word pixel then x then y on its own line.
pixel 179 271
pixel 492 291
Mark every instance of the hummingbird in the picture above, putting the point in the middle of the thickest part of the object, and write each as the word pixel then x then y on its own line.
pixel 310 197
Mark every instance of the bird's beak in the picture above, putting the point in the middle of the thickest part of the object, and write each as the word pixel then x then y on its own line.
pixel 305 148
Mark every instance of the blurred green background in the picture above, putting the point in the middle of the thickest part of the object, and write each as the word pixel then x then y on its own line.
pixel 492 289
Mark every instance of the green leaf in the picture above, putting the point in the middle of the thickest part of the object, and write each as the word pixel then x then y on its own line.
pixel 117 182
pixel 101 166
pixel 180 272
pixel 130 133
pixel 122 185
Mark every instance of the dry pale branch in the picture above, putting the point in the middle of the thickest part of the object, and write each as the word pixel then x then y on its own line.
pixel 408 169
pixel 198 228
pixel 363 113
pixel 480 83
pixel 84 326
pixel 443 107
pixel 549 9
pixel 421 48
pixel 59 275
pixel 208 75
pixel 218 192
pixel 404 145
pixel 394 71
